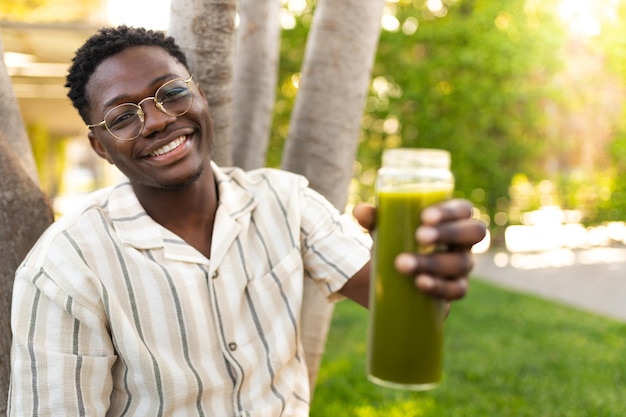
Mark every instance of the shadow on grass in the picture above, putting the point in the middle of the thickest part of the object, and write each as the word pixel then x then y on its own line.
pixel 507 355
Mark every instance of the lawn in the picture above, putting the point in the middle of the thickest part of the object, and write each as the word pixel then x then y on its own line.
pixel 507 355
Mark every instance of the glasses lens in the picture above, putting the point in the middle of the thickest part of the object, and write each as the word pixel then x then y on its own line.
pixel 124 121
pixel 175 97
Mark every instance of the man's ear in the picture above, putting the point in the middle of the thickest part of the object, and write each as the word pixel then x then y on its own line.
pixel 97 146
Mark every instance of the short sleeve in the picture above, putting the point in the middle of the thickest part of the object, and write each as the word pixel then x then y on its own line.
pixel 334 246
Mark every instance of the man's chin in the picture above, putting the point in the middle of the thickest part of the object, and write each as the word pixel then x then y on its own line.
pixel 181 185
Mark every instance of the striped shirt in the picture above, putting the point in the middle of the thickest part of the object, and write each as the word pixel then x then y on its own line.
pixel 115 315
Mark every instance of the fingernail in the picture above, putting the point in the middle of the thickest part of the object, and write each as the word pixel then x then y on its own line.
pixel 431 215
pixel 425 282
pixel 405 263
pixel 426 234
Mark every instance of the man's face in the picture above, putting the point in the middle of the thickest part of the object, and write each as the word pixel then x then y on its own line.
pixel 171 151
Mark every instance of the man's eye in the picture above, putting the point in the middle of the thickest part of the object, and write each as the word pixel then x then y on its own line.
pixel 173 94
pixel 120 120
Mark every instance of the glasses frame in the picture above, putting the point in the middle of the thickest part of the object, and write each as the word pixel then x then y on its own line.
pixel 141 114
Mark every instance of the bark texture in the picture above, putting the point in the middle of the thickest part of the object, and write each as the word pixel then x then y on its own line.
pixel 326 122
pixel 205 30
pixel 256 70
pixel 12 124
pixel 24 214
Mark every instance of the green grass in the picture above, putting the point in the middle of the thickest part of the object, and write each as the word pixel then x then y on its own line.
pixel 507 355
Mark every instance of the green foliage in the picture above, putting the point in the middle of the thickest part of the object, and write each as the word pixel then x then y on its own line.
pixel 588 193
pixel 495 82
pixel 618 154
pixel 293 42
pixel 473 81
pixel 613 43
pixel 507 354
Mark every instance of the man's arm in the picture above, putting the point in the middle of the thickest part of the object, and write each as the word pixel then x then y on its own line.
pixel 61 355
pixel 442 274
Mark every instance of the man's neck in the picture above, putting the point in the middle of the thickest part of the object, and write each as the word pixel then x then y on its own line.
pixel 189 212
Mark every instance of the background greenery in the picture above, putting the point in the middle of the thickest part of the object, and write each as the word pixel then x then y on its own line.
pixel 506 354
pixel 502 85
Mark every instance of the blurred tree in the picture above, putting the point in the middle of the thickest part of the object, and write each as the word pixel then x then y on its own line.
pixel 256 70
pixel 206 33
pixel 24 213
pixel 12 125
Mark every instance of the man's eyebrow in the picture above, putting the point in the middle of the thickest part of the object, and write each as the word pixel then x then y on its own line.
pixel 125 98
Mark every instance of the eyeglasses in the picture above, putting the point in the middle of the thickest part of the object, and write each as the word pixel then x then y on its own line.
pixel 126 121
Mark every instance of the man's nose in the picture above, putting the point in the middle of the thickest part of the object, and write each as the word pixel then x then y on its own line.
pixel 155 118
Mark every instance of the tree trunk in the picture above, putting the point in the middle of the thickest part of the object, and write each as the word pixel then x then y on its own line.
pixel 205 31
pixel 327 116
pixel 12 125
pixel 256 70
pixel 24 212
pixel 24 215
pixel 326 122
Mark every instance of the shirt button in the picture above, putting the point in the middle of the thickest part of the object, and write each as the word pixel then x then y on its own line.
pixel 215 275
pixel 232 346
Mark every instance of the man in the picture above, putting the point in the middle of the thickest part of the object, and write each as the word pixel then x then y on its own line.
pixel 178 291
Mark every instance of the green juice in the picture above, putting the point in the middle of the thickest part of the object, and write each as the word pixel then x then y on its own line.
pixel 406 326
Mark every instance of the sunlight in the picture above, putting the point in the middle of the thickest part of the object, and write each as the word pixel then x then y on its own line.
pixel 584 17
pixel 552 237
pixel 410 26
pixel 295 6
pixel 389 21
pixel 287 19
pixel 436 7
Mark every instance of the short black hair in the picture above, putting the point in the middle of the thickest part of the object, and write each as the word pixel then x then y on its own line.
pixel 105 43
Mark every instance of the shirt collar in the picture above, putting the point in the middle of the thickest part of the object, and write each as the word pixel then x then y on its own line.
pixel 137 229
pixel 233 195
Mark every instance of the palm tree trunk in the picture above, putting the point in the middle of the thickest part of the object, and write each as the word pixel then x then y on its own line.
pixel 24 215
pixel 256 70
pixel 326 120
pixel 12 125
pixel 24 212
pixel 205 30
pixel 325 125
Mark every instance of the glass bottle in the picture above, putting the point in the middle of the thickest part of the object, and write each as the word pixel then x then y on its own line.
pixel 405 343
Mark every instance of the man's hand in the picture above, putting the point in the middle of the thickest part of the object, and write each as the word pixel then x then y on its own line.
pixel 448 225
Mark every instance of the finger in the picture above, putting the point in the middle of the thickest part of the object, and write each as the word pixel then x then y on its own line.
pixel 460 233
pixel 442 288
pixel 365 214
pixel 455 209
pixel 444 264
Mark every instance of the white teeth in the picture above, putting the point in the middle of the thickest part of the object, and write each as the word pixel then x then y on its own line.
pixel 169 147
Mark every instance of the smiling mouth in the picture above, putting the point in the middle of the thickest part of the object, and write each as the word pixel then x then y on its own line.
pixel 169 147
